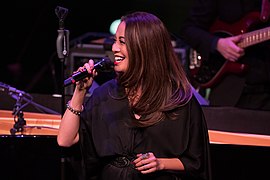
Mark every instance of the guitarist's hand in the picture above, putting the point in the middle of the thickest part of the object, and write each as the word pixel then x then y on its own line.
pixel 228 48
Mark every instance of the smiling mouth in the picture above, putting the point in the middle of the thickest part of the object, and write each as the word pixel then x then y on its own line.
pixel 118 60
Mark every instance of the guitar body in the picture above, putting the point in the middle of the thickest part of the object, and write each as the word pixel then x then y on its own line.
pixel 207 73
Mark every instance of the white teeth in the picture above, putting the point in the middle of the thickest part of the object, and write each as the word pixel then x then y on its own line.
pixel 118 59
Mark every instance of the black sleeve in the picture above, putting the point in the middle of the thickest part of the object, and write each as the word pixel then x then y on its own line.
pixel 90 162
pixel 196 158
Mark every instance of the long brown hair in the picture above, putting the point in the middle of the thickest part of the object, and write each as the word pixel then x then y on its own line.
pixel 153 67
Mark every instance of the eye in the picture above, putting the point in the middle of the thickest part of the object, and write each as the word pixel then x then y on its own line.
pixel 122 42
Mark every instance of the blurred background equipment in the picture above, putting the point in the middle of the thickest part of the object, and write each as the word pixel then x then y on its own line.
pixel 30 61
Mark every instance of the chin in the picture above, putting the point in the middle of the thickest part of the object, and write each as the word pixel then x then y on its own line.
pixel 117 69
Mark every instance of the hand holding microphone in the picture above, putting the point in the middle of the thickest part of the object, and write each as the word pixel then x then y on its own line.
pixel 83 73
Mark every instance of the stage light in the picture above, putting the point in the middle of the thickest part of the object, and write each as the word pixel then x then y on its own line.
pixel 114 26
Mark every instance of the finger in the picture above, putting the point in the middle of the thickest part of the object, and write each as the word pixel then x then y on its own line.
pixel 237 39
pixel 144 159
pixel 91 62
pixel 88 67
pixel 232 55
pixel 148 171
pixel 94 72
pixel 141 163
pixel 81 69
pixel 140 158
pixel 232 59
pixel 148 168
pixel 144 167
pixel 144 156
pixel 236 53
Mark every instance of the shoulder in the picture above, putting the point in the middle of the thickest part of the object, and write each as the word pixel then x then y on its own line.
pixel 194 104
pixel 105 87
pixel 192 107
pixel 101 93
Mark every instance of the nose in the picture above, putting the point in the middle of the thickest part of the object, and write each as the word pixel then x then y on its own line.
pixel 115 48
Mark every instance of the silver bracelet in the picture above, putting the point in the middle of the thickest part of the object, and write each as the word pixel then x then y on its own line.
pixel 74 111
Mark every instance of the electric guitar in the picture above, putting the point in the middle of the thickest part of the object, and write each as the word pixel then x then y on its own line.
pixel 207 73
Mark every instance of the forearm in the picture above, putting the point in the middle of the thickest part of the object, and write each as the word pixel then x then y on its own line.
pixel 170 164
pixel 70 122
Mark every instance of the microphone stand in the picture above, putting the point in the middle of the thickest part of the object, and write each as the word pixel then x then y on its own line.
pixel 62 45
pixel 17 112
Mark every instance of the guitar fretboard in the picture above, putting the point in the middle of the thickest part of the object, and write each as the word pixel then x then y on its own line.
pixel 255 37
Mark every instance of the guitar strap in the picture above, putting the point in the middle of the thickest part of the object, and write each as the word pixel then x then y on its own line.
pixel 265 12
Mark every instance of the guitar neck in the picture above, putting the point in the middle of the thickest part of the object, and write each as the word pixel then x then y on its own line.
pixel 255 37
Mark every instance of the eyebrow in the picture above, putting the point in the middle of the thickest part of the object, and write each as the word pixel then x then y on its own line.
pixel 121 37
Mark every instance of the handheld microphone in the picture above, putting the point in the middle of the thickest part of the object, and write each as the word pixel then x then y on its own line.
pixel 103 63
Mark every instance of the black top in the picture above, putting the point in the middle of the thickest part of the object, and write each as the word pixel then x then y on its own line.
pixel 106 134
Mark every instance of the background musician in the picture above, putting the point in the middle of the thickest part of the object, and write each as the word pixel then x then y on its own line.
pixel 236 73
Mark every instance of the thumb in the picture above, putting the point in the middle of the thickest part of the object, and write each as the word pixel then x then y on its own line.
pixel 237 39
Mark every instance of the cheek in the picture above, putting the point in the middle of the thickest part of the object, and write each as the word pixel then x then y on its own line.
pixel 124 51
pixel 125 64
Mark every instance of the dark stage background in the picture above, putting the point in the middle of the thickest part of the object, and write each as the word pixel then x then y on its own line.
pixel 29 30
